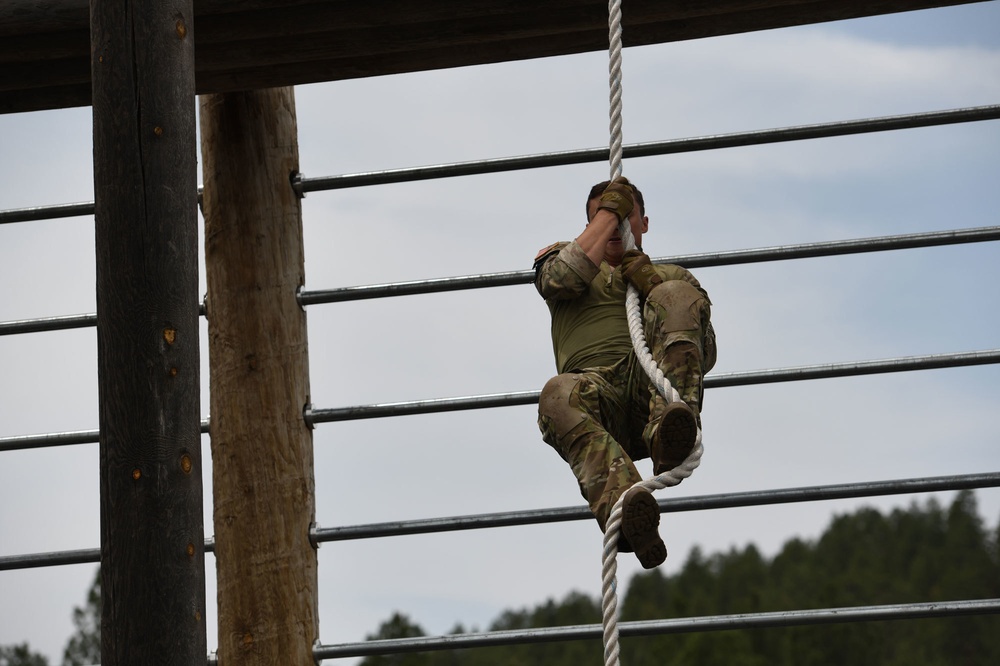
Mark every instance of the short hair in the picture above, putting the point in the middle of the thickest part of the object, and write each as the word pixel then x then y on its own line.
pixel 597 190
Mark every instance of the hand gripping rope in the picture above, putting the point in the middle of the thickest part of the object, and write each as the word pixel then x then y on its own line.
pixel 634 313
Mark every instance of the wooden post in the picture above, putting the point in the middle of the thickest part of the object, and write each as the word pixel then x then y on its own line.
pixel 145 186
pixel 259 366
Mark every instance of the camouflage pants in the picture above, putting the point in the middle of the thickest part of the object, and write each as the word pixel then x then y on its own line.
pixel 600 420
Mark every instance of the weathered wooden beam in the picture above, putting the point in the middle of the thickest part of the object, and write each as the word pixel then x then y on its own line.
pixel 259 365
pixel 145 186
pixel 270 43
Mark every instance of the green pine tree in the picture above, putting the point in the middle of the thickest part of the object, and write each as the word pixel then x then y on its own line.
pixel 20 655
pixel 84 646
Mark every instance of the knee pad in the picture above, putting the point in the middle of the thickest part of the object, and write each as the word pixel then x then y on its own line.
pixel 557 404
pixel 678 306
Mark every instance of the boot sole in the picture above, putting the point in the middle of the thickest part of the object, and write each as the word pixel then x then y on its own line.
pixel 640 526
pixel 677 434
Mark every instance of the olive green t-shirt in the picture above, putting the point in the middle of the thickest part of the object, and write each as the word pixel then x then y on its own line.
pixel 587 303
pixel 592 330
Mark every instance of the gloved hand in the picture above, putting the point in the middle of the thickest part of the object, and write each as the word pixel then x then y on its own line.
pixel 617 198
pixel 639 271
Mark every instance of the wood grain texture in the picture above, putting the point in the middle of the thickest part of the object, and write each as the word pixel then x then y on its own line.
pixel 261 446
pixel 145 182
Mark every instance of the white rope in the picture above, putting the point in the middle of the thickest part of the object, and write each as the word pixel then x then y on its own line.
pixel 633 311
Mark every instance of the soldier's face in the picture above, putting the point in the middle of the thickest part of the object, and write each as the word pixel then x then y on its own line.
pixel 615 249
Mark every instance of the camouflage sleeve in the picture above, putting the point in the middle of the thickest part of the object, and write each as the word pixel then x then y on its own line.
pixel 563 271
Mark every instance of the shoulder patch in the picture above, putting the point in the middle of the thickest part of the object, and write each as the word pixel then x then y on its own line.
pixel 545 250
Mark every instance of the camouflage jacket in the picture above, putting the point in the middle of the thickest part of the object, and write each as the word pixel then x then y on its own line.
pixel 587 305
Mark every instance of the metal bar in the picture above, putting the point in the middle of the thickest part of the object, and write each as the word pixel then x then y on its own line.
pixel 431 406
pixel 516 398
pixel 61 323
pixel 36 213
pixel 53 559
pixel 656 627
pixel 858 368
pixel 19 442
pixel 564 514
pixel 509 278
pixel 59 558
pixel 701 260
pixel 667 505
pixel 56 211
pixel 541 160
pixel 711 142
pixel 826 371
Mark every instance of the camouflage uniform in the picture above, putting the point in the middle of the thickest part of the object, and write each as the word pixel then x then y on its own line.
pixel 600 413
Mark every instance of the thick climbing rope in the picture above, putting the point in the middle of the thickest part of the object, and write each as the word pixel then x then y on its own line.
pixel 634 312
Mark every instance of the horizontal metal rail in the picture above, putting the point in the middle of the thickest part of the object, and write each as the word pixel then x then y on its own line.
pixel 60 323
pixel 669 147
pixel 797 618
pixel 667 505
pixel 35 213
pixel 509 278
pixel 824 371
pixel 516 398
pixel 320 535
pixel 691 261
pixel 42 324
pixel 63 557
pixel 587 155
pixel 20 442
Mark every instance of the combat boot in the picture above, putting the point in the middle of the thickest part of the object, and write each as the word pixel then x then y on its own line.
pixel 640 528
pixel 675 437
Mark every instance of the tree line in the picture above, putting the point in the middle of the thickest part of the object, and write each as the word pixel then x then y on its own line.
pixel 923 553
pixel 914 555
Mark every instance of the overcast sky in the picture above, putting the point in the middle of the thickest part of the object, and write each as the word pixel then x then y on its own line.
pixel 784 314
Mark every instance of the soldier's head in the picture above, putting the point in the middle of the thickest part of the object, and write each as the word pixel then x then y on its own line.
pixel 597 190
pixel 638 222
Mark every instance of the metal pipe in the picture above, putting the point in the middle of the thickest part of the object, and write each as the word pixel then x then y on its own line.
pixel 825 371
pixel 516 398
pixel 53 212
pixel 20 442
pixel 59 323
pixel 35 213
pixel 667 505
pixel 59 558
pixel 711 142
pixel 499 165
pixel 796 618
pixel 509 278
pixel 855 369
pixel 431 406
pixel 564 514
pixel 53 559
pixel 701 260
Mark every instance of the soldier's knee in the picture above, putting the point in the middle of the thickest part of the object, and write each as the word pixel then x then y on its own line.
pixel 558 411
pixel 678 306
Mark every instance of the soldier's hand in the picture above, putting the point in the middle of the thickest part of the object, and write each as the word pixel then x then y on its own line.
pixel 639 271
pixel 617 198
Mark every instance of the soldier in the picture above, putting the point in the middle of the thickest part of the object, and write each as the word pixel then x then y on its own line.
pixel 601 412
